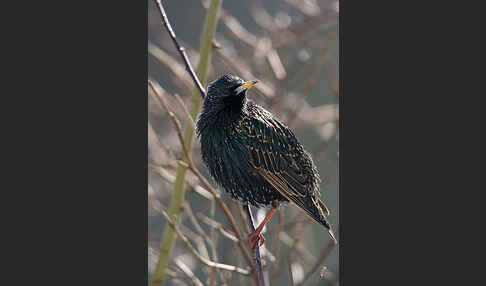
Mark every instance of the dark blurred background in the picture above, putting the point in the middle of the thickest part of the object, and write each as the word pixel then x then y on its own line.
pixel 292 47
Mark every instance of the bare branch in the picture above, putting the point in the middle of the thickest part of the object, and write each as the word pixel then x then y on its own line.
pixel 174 66
pixel 180 48
pixel 184 107
pixel 173 118
pixel 256 248
pixel 216 225
pixel 210 241
pixel 198 256
pixel 241 215
pixel 195 223
pixel 256 56
pixel 203 180
pixel 169 177
pixel 184 268
pixel 159 152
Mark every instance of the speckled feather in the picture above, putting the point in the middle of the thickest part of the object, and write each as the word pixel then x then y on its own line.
pixel 253 155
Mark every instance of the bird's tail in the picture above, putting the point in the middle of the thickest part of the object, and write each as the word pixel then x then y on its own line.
pixel 319 213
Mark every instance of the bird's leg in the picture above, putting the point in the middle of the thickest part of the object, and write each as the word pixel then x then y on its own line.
pixel 257 235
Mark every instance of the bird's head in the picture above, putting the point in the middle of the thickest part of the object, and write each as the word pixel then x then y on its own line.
pixel 224 101
pixel 228 90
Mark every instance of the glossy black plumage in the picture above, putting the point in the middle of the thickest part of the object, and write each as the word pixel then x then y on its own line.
pixel 254 156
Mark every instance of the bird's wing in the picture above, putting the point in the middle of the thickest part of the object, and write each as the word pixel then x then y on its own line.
pixel 279 158
pixel 274 152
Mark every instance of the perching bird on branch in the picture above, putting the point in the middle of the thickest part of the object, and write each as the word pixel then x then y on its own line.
pixel 254 156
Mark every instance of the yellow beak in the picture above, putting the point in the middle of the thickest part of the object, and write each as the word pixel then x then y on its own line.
pixel 249 84
pixel 245 86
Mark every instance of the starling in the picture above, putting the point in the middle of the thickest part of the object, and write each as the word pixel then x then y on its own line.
pixel 254 156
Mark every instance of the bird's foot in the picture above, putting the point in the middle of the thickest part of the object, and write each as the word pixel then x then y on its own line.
pixel 254 237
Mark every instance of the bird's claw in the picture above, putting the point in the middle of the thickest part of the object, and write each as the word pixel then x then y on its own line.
pixel 253 237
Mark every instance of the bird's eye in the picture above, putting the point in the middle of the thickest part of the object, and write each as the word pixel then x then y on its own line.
pixel 239 88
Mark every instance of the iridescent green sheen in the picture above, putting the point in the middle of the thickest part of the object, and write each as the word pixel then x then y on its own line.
pixel 253 155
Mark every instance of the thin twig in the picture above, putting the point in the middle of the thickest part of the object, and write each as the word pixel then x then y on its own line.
pixel 169 177
pixel 190 164
pixel 209 241
pixel 172 117
pixel 180 48
pixel 216 225
pixel 214 239
pixel 241 215
pixel 168 238
pixel 186 270
pixel 173 274
pixel 225 209
pixel 195 223
pixel 205 183
pixel 256 248
pixel 203 180
pixel 203 260
pixel 156 148
pixel 178 70
pixel 184 107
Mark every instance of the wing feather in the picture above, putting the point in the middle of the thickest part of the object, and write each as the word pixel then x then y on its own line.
pixel 276 155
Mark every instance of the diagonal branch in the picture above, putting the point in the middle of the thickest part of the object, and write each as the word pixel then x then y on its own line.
pixel 168 238
pixel 203 260
pixel 205 183
pixel 184 268
pixel 256 250
pixel 180 49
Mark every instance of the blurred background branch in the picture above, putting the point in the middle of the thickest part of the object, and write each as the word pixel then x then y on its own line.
pixel 292 48
pixel 179 185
